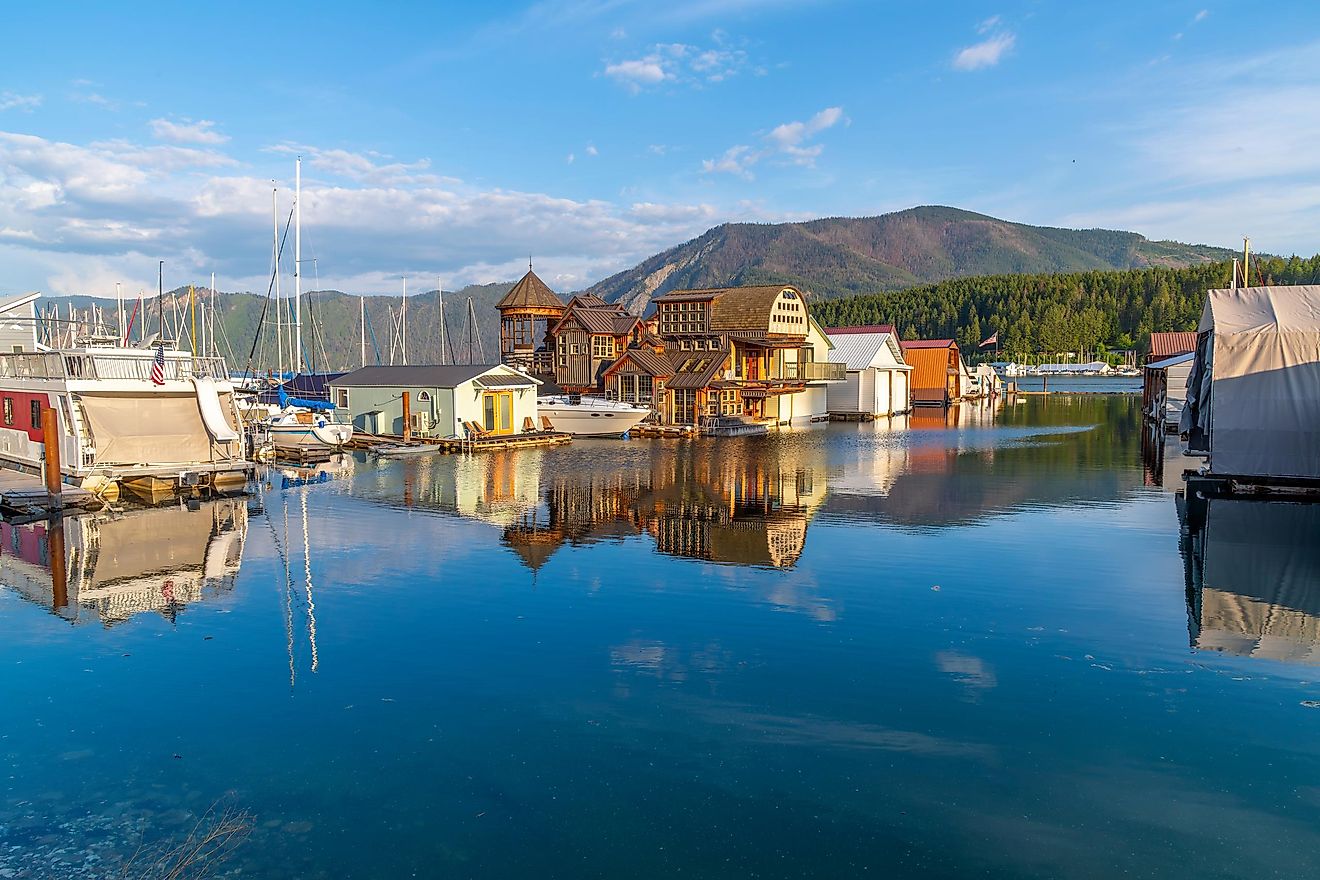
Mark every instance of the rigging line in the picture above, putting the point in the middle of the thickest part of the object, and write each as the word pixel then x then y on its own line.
pixel 375 345
pixel 269 290
pixel 288 587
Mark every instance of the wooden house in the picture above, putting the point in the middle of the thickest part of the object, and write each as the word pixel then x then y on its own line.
pixel 442 400
pixel 937 372
pixel 734 351
pixel 877 375
pixel 527 312
pixel 589 337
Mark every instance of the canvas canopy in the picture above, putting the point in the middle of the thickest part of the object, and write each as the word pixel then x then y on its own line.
pixel 156 429
pixel 1253 397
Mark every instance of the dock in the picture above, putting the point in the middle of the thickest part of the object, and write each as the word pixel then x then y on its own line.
pixel 363 440
pixel 25 494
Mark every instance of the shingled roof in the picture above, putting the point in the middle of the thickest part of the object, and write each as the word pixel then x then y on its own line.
pixel 530 293
pixel 735 308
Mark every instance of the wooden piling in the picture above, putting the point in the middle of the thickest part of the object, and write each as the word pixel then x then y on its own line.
pixel 50 435
pixel 407 419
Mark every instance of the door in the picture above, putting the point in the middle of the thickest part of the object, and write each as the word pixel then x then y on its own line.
pixel 497 412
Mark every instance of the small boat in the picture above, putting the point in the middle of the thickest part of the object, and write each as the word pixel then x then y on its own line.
pixel 306 425
pixel 398 450
pixel 588 416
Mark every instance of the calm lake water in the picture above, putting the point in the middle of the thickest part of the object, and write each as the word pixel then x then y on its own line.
pixel 963 645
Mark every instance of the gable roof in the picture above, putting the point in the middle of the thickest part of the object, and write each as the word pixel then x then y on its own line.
pixel 863 328
pixel 1166 345
pixel 589 300
pixel 611 320
pixel 913 344
pixel 656 363
pixel 695 378
pixel 530 292
pixel 858 351
pixel 930 367
pixel 429 376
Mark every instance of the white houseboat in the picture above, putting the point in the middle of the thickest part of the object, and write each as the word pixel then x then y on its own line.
pixel 116 424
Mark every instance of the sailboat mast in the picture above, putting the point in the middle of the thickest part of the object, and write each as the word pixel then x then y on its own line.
pixel 275 259
pixel 119 301
pixel 297 266
pixel 403 344
pixel 440 299
pixel 210 332
pixel 362 307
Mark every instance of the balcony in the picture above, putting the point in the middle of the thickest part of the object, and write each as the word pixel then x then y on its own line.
pixel 58 365
pixel 809 371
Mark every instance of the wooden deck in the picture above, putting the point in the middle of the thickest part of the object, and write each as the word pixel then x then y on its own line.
pixel 478 444
pixel 26 494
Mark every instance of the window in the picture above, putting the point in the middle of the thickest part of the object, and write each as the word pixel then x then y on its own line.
pixel 602 346
pixel 573 348
pixel 343 398
pixel 423 397
pixel 9 410
pixel 36 413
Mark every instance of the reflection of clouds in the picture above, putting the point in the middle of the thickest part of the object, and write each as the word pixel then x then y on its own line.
pixel 655 659
pixel 971 672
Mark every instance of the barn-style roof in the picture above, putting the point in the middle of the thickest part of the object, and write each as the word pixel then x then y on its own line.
pixel 530 293
pixel 734 308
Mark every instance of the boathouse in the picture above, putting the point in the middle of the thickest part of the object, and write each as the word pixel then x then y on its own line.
pixel 937 372
pixel 753 352
pixel 442 400
pixel 1166 345
pixel 588 338
pixel 1253 397
pixel 1164 390
pixel 877 375
pixel 527 313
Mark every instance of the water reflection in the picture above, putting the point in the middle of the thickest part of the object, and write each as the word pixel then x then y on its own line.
pixel 109 567
pixel 1253 578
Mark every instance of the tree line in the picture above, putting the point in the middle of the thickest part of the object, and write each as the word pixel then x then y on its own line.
pixel 1075 311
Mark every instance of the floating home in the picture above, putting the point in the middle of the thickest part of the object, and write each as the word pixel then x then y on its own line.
pixel 115 422
pixel 442 400
pixel 1166 345
pixel 588 339
pixel 877 378
pixel 748 352
pixel 1253 397
pixel 937 371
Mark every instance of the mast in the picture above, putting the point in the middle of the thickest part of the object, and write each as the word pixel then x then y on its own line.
pixel 440 298
pixel 275 261
pixel 1246 262
pixel 160 297
pixel 297 266
pixel 192 307
pixel 210 332
pixel 119 307
pixel 403 311
pixel 362 312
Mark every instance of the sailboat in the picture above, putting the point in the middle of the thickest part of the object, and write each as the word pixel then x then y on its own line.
pixel 303 425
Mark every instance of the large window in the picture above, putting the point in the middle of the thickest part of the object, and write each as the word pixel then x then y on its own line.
pixel 602 346
pixel 635 389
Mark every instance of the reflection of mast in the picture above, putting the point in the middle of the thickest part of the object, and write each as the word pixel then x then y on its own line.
pixel 307 567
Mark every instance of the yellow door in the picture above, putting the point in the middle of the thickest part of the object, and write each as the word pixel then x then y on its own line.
pixel 497 411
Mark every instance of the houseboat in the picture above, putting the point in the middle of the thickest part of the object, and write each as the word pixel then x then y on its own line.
pixel 150 418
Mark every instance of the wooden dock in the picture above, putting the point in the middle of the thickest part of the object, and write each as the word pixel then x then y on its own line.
pixel 476 444
pixel 25 495
pixel 670 431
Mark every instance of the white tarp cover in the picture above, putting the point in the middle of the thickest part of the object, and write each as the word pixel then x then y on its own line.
pixel 1263 405
pixel 154 429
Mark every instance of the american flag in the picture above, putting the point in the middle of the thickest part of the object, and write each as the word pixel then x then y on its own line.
pixel 158 365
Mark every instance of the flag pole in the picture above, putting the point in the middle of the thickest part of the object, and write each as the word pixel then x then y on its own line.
pixel 160 297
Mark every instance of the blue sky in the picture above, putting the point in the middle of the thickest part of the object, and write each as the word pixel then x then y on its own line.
pixel 453 141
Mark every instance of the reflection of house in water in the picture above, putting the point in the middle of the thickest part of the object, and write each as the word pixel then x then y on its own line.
pixel 114 566
pixel 1253 578
pixel 741 506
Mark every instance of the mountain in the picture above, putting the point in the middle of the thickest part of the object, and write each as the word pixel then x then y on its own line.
pixel 845 256
pixel 332 328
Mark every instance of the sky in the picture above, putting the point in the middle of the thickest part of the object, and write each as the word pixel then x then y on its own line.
pixel 450 143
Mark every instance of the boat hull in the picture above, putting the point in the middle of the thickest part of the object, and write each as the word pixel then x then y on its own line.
pixel 304 437
pixel 592 422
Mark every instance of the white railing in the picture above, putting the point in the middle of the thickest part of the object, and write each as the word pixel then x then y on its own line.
pixel 55 365
pixel 810 371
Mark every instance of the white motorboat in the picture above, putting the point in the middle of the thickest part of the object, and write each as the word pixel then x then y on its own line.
pixel 590 416
pixel 306 425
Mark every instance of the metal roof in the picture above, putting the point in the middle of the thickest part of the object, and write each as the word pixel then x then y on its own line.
pixel 863 328
pixel 858 351
pixel 927 343
pixel 1163 345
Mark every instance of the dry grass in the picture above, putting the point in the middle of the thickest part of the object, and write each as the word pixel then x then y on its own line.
pixel 212 840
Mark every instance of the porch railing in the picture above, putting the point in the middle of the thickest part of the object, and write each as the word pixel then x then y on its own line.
pixel 57 365
pixel 810 371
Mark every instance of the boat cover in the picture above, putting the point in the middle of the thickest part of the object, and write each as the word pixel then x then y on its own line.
pixel 155 429
pixel 315 405
pixel 1254 392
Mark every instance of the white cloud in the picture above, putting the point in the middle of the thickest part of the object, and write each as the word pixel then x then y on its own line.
pixel 186 131
pixel 14 101
pixel 74 218
pixel 988 25
pixel 789 140
pixel 986 53
pixel 592 151
pixel 680 63
pixel 1201 16
pixel 570 159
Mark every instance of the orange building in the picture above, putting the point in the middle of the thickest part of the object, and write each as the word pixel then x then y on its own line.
pixel 936 371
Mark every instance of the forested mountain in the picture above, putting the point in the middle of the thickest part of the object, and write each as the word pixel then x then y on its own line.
pixel 332 329
pixel 844 256
pixel 1074 311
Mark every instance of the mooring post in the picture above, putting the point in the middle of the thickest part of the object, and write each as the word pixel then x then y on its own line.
pixel 407 419
pixel 59 577
pixel 50 436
